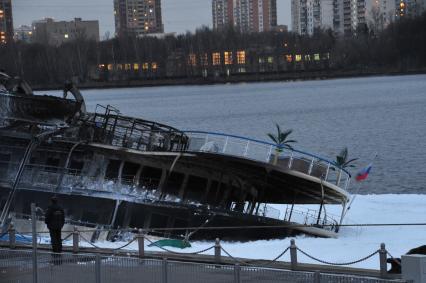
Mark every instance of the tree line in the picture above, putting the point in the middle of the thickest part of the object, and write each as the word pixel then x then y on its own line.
pixel 400 47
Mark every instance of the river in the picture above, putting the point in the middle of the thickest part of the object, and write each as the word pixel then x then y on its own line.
pixel 383 115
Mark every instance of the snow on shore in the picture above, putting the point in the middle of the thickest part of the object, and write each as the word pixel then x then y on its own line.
pixel 353 242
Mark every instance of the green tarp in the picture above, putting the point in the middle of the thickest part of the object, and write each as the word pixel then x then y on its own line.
pixel 171 243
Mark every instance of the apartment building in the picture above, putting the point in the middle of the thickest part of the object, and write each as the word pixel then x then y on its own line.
pixel 138 17
pixel 246 15
pixel 49 31
pixel 6 21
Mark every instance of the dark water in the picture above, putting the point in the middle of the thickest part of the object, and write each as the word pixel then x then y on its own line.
pixel 386 115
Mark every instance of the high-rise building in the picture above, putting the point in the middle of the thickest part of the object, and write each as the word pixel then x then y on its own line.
pixel 6 21
pixel 138 17
pixel 52 32
pixel 309 15
pixel 343 16
pixel 246 15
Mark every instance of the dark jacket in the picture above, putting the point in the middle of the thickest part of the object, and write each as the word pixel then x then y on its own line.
pixel 54 217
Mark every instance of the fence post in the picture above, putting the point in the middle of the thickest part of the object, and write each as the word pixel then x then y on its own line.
pixel 165 263
pixel 12 236
pixel 98 268
pixel 141 243
pixel 75 240
pixel 237 273
pixel 217 251
pixel 383 264
pixel 34 240
pixel 293 254
pixel 317 277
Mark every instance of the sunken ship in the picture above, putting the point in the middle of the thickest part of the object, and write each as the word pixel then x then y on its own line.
pixel 112 171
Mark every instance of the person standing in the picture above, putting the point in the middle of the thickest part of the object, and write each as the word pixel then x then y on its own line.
pixel 55 219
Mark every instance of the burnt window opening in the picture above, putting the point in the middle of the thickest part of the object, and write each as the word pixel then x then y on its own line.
pixel 129 173
pixel 4 164
pixel 150 178
pixel 112 169
pixel 195 188
pixel 174 182
pixel 52 164
pixel 76 166
pixel 211 196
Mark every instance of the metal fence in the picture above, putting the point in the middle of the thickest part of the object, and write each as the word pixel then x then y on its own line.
pixel 17 267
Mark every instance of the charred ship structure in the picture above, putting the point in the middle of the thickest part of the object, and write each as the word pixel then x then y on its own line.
pixel 114 171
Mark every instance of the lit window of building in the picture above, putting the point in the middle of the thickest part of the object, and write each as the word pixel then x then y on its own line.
pixel 298 58
pixel 109 67
pixel 101 66
pixel 119 67
pixel 154 66
pixel 216 58
pixel 228 57
pixel 135 67
pixel 192 60
pixel 126 67
pixel 308 58
pixel 316 57
pixel 261 60
pixel 270 60
pixel 241 57
pixel 288 58
pixel 66 35
pixel 145 66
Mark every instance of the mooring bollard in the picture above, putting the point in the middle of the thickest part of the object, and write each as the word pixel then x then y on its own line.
pixel 383 257
pixel 293 254
pixel 141 243
pixel 75 240
pixel 217 251
pixel 237 273
pixel 165 263
pixel 12 236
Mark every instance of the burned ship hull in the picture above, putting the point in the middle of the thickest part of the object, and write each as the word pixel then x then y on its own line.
pixel 113 171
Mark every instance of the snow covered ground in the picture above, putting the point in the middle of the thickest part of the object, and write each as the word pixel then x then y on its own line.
pixel 353 242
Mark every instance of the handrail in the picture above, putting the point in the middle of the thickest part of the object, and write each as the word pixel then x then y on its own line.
pixel 267 143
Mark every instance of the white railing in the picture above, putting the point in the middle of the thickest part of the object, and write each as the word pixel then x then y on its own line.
pixel 293 159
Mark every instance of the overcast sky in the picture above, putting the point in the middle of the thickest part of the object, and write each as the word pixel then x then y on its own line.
pixel 178 15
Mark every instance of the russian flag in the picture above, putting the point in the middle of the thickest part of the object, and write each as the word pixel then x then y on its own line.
pixel 363 174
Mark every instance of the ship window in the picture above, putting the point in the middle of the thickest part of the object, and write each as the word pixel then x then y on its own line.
pixel 195 188
pixel 112 169
pixel 76 166
pixel 129 172
pixel 52 164
pixel 4 164
pixel 174 183
pixel 211 196
pixel 150 178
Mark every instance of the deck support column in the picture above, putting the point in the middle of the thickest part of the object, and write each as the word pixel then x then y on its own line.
pixel 183 187
pixel 138 175
pixel 160 190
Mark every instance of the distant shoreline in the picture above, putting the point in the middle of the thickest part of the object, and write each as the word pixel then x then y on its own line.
pixel 234 79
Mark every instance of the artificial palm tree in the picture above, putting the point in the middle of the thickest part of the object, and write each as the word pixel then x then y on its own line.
pixel 281 141
pixel 343 162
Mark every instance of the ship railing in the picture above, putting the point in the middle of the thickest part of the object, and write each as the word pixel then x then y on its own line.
pixel 262 151
pixel 112 128
pixel 304 216
pixel 310 217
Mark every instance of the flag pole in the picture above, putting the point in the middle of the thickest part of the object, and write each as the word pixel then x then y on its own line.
pixel 359 187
